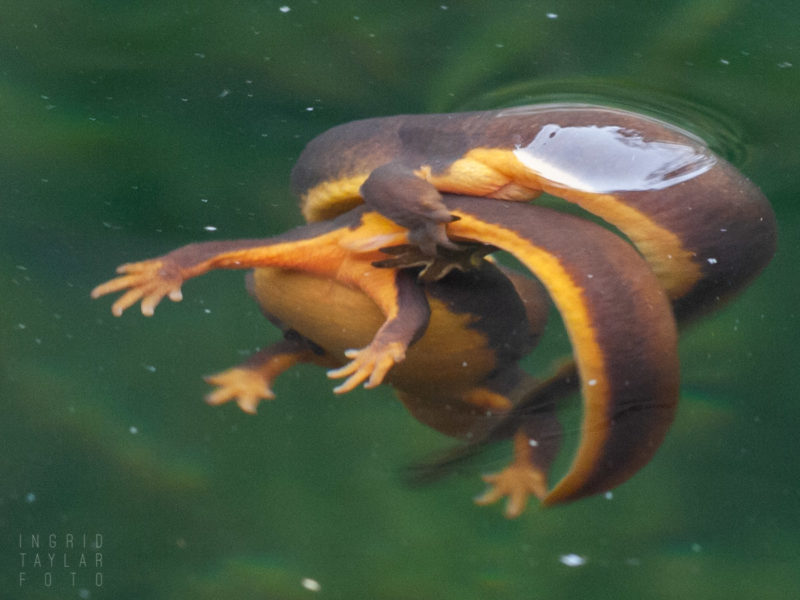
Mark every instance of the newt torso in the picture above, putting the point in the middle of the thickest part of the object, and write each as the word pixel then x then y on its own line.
pixel 686 209
pixel 478 325
pixel 519 142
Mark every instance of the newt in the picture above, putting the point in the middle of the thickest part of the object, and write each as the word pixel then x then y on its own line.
pixel 451 346
pixel 441 191
pixel 705 229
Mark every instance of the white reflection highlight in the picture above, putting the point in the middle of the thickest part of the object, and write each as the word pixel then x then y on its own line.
pixel 611 159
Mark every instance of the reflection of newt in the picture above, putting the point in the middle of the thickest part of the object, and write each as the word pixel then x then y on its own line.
pixel 461 336
pixel 703 227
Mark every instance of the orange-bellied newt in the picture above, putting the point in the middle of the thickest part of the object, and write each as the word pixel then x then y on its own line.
pixel 705 229
pixel 450 342
pixel 457 340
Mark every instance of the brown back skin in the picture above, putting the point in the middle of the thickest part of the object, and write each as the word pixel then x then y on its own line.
pixel 719 215
pixel 440 139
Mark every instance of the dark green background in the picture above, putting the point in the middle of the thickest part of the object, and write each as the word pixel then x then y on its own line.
pixel 127 128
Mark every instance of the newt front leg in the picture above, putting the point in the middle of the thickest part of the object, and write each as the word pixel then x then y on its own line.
pixel 148 281
pixel 407 313
pixel 321 249
pixel 400 194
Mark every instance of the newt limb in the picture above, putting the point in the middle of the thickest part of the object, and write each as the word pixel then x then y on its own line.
pixel 370 364
pixel 400 194
pixel 464 257
pixel 519 480
pixel 403 302
pixel 251 381
pixel 148 281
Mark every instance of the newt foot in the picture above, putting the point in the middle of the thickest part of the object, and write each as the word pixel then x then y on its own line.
pixel 369 364
pixel 464 257
pixel 148 281
pixel 244 385
pixel 517 481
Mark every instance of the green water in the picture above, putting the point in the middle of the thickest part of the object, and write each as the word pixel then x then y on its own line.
pixel 128 129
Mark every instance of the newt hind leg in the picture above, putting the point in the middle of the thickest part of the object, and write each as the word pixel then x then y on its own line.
pixel 526 475
pixel 251 381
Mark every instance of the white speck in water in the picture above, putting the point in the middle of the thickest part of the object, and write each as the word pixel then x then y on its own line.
pixel 533 443
pixel 499 45
pixel 724 61
pixel 443 6
pixel 200 54
pixel 723 230
pixel 309 108
pixel 608 495
pixel 223 93
pixel 204 200
pixel 207 311
pixel 284 9
pixel 712 261
pixel 551 15
pixel 210 228
pixel 310 584
pixel 592 382
pixel 356 18
pixel 697 547
pixel 30 497
pixel 572 560
pixel 83 593
pixel 785 65
pixel 21 326
pixel 133 429
pixel 150 368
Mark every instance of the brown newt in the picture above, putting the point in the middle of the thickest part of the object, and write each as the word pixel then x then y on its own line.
pixel 450 347
pixel 705 229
